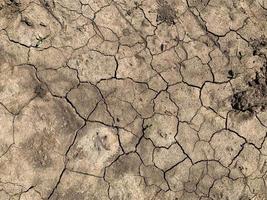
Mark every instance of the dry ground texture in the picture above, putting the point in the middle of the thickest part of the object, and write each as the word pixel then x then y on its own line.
pixel 133 100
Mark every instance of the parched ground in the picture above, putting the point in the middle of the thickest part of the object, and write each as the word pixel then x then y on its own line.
pixel 133 100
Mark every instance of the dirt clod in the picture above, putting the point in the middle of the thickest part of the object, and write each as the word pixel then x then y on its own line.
pixel 166 13
pixel 40 91
pixel 255 97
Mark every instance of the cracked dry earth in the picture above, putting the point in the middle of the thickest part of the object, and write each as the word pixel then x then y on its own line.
pixel 133 100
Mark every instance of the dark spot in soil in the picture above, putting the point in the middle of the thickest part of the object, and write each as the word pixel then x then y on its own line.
pixel 41 158
pixel 101 142
pixel 126 32
pixel 162 47
pixel 254 52
pixel 230 74
pixel 15 2
pixel 239 55
pixel 26 21
pixel 49 4
pixel 166 13
pixel 129 12
pixel 40 91
pixel 42 24
pixel 37 149
pixel 259 44
pixel 140 58
pixel 254 98
pixel 239 102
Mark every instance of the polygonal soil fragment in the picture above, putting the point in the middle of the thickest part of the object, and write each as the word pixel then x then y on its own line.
pixel 220 21
pixel 17 86
pixel 93 65
pixel 167 64
pixel 202 177
pixel 36 23
pixel 233 46
pixel 164 105
pixel 227 145
pixel 220 65
pixel 186 136
pixel 138 68
pixel 247 126
pixel 229 189
pixel 84 98
pixel 132 187
pixel 145 150
pixel 167 158
pixel 10 52
pixel 207 122
pixel 217 97
pixel 31 194
pixel 11 190
pixel 59 81
pixel 125 181
pixel 187 100
pixel 247 162
pixel 125 165
pixel 130 135
pixel 105 40
pixel 101 114
pixel 258 188
pixel 178 175
pixel 199 49
pixel 125 103
pixel 196 174
pixel 57 57
pixel 195 73
pixel 161 129
pixel 153 176
pixel 164 39
pixel 112 17
pixel 76 30
pixel 95 148
pixel 195 148
pixel 80 186
pixel 262 117
pixel 43 132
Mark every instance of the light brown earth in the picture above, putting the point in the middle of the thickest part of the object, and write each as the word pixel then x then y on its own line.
pixel 133 100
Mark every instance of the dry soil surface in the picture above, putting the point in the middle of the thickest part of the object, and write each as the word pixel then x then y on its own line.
pixel 133 100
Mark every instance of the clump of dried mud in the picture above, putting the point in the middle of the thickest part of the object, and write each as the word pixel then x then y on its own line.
pixel 254 99
pixel 166 13
pixel 40 91
pixel 259 45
